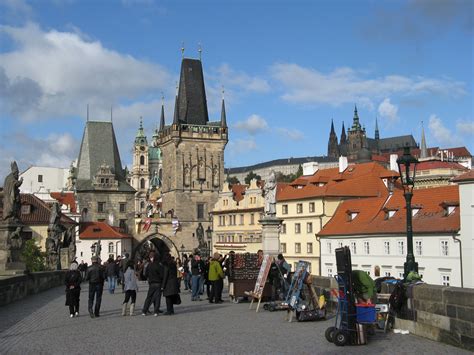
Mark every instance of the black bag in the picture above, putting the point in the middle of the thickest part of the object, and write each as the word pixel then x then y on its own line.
pixel 177 299
pixel 310 315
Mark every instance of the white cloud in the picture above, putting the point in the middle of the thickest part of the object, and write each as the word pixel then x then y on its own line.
pixel 240 146
pixel 292 134
pixel 252 125
pixel 388 111
pixel 346 85
pixel 465 128
pixel 55 74
pixel 441 134
pixel 229 77
pixel 16 8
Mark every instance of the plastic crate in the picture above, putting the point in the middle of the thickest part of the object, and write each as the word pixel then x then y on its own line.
pixel 365 313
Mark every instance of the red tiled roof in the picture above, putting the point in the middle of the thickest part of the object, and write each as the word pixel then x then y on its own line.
pixel 40 212
pixel 438 164
pixel 469 176
pixel 65 198
pixel 100 230
pixel 458 152
pixel 372 219
pixel 359 180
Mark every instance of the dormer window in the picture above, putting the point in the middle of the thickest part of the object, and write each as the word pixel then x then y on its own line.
pixel 25 209
pixel 449 207
pixel 414 211
pixel 351 215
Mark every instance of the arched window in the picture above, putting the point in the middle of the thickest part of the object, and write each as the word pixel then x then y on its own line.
pixel 142 205
pixel 142 160
pixel 111 248
pixel 142 183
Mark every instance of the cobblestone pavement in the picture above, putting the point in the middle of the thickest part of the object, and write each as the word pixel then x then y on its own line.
pixel 41 324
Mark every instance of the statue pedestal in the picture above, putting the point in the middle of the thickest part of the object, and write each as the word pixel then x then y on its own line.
pixel 270 235
pixel 9 265
pixel 65 262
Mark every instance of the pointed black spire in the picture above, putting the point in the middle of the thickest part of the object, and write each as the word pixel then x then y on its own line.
pixel 355 122
pixel 343 134
pixel 332 127
pixel 424 151
pixel 223 116
pixel 162 119
pixel 333 147
pixel 175 117
pixel 377 133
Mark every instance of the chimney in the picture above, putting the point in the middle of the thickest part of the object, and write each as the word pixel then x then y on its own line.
pixel 393 162
pixel 343 164
pixel 310 168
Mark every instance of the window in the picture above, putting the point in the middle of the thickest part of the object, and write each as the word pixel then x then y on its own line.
pixel 111 247
pixel 297 228
pixel 366 248
pixel 123 225
pixel 284 209
pixel 311 207
pixel 328 247
pixel 122 207
pixel 240 238
pixel 418 247
pixel 142 160
pixel 445 279
pixel 309 227
pixel 200 211
pixel 340 244
pixel 223 220
pixel 299 208
pixel 297 248
pixel 252 218
pixel 25 209
pixel 253 200
pixel 386 274
pixel 401 247
pixel 444 248
pixel 241 219
pixel 40 178
pixel 142 183
pixel 400 274
pixel 283 248
pixel 283 228
pixel 309 268
pixel 329 272
pixel 101 207
pixel 353 248
pixel 386 247
pixel 309 248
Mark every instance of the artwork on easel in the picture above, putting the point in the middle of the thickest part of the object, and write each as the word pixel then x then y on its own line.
pixel 297 281
pixel 261 280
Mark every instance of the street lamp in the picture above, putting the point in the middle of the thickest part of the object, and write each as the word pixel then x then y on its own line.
pixel 182 249
pixel 209 240
pixel 407 177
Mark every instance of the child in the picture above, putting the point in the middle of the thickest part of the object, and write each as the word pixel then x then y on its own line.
pixel 131 288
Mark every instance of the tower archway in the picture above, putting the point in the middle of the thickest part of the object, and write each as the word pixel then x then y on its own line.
pixel 161 243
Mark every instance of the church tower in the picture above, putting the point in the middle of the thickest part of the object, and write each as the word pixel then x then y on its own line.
pixel 356 137
pixel 140 173
pixel 193 156
pixel 333 148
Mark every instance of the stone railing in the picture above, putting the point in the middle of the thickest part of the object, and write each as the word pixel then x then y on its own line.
pixel 14 288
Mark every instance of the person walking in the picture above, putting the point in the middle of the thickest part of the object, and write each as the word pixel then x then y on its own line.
pixel 196 271
pixel 96 277
pixel 131 288
pixel 112 273
pixel 170 284
pixel 187 275
pixel 123 268
pixel 216 277
pixel 154 274
pixel 73 281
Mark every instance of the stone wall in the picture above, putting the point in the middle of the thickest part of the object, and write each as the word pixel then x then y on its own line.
pixel 15 288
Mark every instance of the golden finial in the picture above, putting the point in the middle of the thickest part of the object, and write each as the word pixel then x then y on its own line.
pixel 223 92
pixel 182 50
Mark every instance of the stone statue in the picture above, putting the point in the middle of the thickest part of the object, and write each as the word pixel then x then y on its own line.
pixel 269 191
pixel 215 176
pixel 55 232
pixel 11 193
pixel 187 175
pixel 98 249
pixel 15 244
pixel 200 237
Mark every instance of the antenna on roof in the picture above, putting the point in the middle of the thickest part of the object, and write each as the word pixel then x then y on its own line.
pixel 87 112
pixel 111 113
pixel 182 50
pixel 200 51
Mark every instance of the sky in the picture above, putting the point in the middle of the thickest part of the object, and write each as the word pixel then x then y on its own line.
pixel 287 68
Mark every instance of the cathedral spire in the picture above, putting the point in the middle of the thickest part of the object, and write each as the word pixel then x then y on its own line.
pixel 424 151
pixel 140 138
pixel 343 134
pixel 162 119
pixel 377 133
pixel 332 127
pixel 355 123
pixel 333 147
pixel 223 115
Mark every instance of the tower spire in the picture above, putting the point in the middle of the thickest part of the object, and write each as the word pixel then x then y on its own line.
pixel 332 127
pixel 182 50
pixel 377 133
pixel 200 51
pixel 223 115
pixel 162 119
pixel 424 150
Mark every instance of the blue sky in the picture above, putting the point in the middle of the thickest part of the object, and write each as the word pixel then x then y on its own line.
pixel 288 68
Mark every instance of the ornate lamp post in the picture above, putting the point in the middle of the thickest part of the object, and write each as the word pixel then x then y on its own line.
pixel 209 240
pixel 407 177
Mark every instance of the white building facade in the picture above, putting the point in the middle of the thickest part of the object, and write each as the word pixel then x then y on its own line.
pixel 40 178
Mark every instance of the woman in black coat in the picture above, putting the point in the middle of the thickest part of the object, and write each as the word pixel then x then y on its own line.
pixel 170 283
pixel 73 289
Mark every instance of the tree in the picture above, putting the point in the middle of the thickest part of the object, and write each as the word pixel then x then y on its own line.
pixel 233 180
pixel 32 256
pixel 250 176
pixel 299 172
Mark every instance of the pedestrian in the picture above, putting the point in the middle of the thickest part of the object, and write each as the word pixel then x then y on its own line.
pixel 96 277
pixel 216 276
pixel 154 274
pixel 274 279
pixel 170 284
pixel 82 269
pixel 73 289
pixel 131 288
pixel 196 271
pixel 206 277
pixel 112 273
pixel 123 269
pixel 285 269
